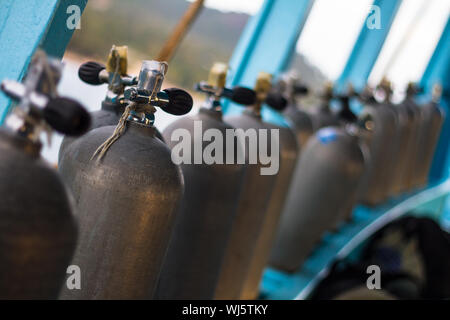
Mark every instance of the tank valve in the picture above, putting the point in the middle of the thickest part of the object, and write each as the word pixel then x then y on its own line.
pixel 39 106
pixel 114 73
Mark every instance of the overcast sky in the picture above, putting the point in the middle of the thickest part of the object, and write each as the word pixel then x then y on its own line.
pixel 333 26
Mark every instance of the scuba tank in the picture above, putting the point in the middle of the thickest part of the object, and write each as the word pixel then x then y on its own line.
pixel 38 233
pixel 116 76
pixel 345 115
pixel 321 115
pixel 382 121
pixel 127 192
pixel 401 154
pixel 299 120
pixel 210 203
pixel 412 143
pixel 392 164
pixel 288 153
pixel 432 120
pixel 330 170
pixel 251 213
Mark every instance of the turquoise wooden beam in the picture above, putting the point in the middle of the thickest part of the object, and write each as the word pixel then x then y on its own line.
pixel 24 26
pixel 438 71
pixel 367 47
pixel 267 44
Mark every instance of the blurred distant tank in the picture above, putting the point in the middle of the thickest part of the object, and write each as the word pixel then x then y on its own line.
pixel 291 87
pixel 288 151
pixel 433 117
pixel 210 205
pixel 406 128
pixel 382 121
pixel 330 170
pixel 37 231
pixel 127 192
pixel 321 115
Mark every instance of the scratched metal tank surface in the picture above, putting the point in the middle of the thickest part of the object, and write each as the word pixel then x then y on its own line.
pixel 37 231
pixel 332 164
pixel 126 206
pixel 288 150
pixel 405 123
pixel 432 120
pixel 301 122
pixel 253 205
pixel 376 179
pixel 207 213
pixel 412 144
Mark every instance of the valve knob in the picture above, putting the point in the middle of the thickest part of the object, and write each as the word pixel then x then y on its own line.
pixel 299 89
pixel 67 116
pixel 89 72
pixel 180 102
pixel 276 101
pixel 242 95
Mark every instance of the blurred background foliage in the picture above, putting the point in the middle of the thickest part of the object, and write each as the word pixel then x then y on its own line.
pixel 144 25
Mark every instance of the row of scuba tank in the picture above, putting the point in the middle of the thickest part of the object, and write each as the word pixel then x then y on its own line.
pixel 135 225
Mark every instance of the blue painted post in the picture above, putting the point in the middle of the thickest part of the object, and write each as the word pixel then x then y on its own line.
pixel 267 44
pixel 368 47
pixel 438 71
pixel 25 25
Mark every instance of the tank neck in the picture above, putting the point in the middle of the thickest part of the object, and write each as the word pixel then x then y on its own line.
pixel 141 129
pixel 213 113
pixel 212 103
pixel 113 107
pixel 254 113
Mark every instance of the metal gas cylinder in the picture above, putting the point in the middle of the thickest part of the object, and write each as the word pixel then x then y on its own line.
pixel 115 74
pixel 332 165
pixel 210 203
pixel 383 124
pixel 37 230
pixel 301 122
pixel 392 164
pixel 322 115
pixel 412 141
pixel 401 155
pixel 127 192
pixel 288 151
pixel 433 117
pixel 345 115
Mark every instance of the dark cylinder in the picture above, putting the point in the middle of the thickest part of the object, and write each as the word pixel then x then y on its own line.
pixel 37 231
pixel 206 215
pixel 288 149
pixel 332 165
pixel 125 207
pixel 126 201
pixel 433 117
pixel 210 204
pixel 382 122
